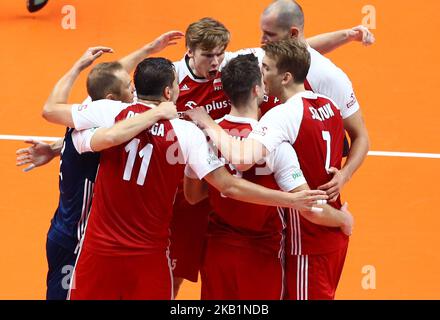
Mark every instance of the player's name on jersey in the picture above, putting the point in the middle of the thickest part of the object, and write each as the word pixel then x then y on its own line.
pixel 158 129
pixel 323 113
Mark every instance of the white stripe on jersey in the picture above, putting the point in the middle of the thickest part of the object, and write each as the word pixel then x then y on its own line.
pixel 171 272
pixel 87 200
pixel 282 252
pixel 302 278
pixel 307 278
pixel 80 246
pixel 295 229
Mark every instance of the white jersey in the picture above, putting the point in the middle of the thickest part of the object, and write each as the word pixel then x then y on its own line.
pixel 191 140
pixel 324 77
pixel 282 162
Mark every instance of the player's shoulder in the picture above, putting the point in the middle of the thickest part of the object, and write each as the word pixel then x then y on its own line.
pixel 184 126
pixel 324 99
pixel 323 69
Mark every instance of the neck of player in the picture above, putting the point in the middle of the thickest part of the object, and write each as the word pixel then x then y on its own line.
pixel 291 90
pixel 151 101
pixel 245 110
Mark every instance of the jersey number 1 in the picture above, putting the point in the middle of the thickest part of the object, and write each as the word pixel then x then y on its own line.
pixel 327 138
pixel 144 154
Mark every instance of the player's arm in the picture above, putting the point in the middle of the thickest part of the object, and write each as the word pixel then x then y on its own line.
pixel 127 129
pixel 327 42
pixel 329 216
pixel 284 163
pixel 202 160
pixel 360 144
pixel 38 154
pixel 56 108
pixel 195 190
pixel 243 154
pixel 98 139
pixel 243 190
pixel 130 61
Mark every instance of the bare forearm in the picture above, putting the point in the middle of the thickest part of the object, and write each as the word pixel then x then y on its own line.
pixel 249 192
pixel 61 91
pixel 329 217
pixel 327 42
pixel 358 152
pixel 241 153
pixel 57 146
pixel 56 109
pixel 130 61
pixel 124 130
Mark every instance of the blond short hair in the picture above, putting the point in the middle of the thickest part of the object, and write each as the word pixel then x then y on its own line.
pixel 207 34
pixel 291 55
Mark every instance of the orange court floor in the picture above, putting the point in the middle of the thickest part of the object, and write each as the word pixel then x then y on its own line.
pixel 394 251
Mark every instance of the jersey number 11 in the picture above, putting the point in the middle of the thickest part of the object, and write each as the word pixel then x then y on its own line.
pixel 144 154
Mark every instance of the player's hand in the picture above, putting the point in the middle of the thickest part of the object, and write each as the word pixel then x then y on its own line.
pixel 199 116
pixel 90 56
pixel 168 110
pixel 361 34
pixel 307 200
pixel 163 41
pixel 347 227
pixel 37 155
pixel 335 185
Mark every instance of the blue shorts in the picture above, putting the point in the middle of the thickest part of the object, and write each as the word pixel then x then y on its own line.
pixel 61 262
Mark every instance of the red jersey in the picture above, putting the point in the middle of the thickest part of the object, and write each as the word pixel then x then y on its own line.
pixel 313 125
pixel 137 182
pixel 198 92
pixel 245 224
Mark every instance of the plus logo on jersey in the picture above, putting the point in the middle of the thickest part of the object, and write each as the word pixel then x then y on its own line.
pixel 210 106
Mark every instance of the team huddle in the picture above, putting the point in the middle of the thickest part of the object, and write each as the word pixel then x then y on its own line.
pixel 224 164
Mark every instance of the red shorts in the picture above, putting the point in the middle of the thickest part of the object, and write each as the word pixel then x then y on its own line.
pixel 314 277
pixel 240 273
pixel 189 226
pixel 143 277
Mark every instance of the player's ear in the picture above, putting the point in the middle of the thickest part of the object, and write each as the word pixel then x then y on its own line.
pixel 110 96
pixel 190 53
pixel 167 93
pixel 257 90
pixel 287 78
pixel 294 32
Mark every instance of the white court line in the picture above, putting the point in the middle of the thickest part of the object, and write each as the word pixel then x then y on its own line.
pixel 23 138
pixel 371 153
pixel 404 154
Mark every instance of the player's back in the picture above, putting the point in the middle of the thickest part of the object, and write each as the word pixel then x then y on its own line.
pixel 76 182
pixel 135 190
pixel 319 146
pixel 320 139
pixel 241 223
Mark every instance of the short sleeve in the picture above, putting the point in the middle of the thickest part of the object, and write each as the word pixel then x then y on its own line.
pixel 101 113
pixel 278 125
pixel 196 150
pixel 283 162
pixel 327 79
pixel 82 140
